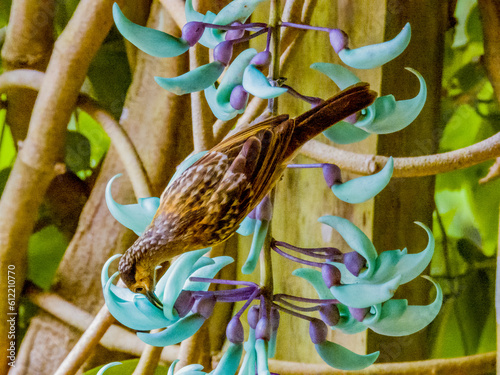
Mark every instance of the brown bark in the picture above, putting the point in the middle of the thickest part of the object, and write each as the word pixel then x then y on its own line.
pixel 404 201
pixel 44 145
pixel 160 130
pixel 28 45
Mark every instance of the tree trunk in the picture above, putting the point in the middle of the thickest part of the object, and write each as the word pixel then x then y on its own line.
pixel 160 127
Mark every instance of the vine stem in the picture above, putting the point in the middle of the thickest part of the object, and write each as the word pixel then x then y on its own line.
pixel 33 79
pixel 84 347
pixel 266 265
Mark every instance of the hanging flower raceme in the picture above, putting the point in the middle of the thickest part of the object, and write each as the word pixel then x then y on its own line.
pixel 362 283
pixel 183 311
pixel 385 115
pixel 244 76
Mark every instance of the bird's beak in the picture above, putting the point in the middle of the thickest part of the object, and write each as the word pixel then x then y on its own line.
pixel 154 299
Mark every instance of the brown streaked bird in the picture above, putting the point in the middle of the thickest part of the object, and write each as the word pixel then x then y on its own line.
pixel 207 202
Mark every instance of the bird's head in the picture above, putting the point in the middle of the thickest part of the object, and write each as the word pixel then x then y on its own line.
pixel 139 277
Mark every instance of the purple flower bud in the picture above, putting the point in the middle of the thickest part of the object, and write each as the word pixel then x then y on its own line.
pixel 318 331
pixel 331 173
pixel 184 303
pixel 204 306
pixel 253 316
pixel 275 319
pixel 331 275
pixel 338 40
pixel 315 102
pixel 223 52
pixel 359 314
pixel 234 331
pixel 261 59
pixel 354 262
pixel 351 119
pixel 264 209
pixel 251 215
pixel 263 329
pixel 192 32
pixel 235 34
pixel 329 314
pixel 238 98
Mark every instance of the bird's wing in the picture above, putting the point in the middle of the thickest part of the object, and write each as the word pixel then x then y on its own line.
pixel 256 157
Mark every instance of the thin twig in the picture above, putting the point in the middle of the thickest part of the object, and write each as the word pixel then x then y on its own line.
pixel 89 340
pixel 32 79
pixel 418 166
pixel 149 360
pixel 115 339
pixel 203 136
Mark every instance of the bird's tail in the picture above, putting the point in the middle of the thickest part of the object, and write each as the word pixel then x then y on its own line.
pixel 318 119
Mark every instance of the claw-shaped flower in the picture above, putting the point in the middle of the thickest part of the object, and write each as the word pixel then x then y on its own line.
pixel 256 83
pixel 194 80
pixel 391 318
pixel 375 55
pixel 257 222
pixel 138 216
pixel 153 42
pixel 385 115
pixel 219 98
pixel 133 216
pixel 135 311
pixel 235 11
pixel 359 189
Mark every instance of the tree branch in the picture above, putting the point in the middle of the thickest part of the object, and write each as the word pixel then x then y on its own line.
pixel 44 144
pixel 418 166
pixel 32 79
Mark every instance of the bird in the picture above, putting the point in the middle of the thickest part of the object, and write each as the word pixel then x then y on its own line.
pixel 206 203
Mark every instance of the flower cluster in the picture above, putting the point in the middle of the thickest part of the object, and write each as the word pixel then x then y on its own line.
pixel 244 74
pixel 355 289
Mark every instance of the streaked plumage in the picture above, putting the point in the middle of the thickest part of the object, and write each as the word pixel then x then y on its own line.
pixel 205 205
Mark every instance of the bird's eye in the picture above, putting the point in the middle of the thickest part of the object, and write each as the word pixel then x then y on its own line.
pixel 139 290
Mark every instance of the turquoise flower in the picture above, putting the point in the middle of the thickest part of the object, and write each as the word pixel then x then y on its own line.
pixel 138 216
pixel 368 282
pixel 383 273
pixel 385 115
pixel 228 364
pixel 371 56
pixel 235 11
pixel 359 189
pixel 137 312
pixel 257 222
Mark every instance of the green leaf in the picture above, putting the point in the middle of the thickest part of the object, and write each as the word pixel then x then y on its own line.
pixel 4 176
pixel 110 77
pixel 7 149
pixel 98 138
pixel 45 250
pixel 462 12
pixel 464 317
pixel 5 12
pixel 77 156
